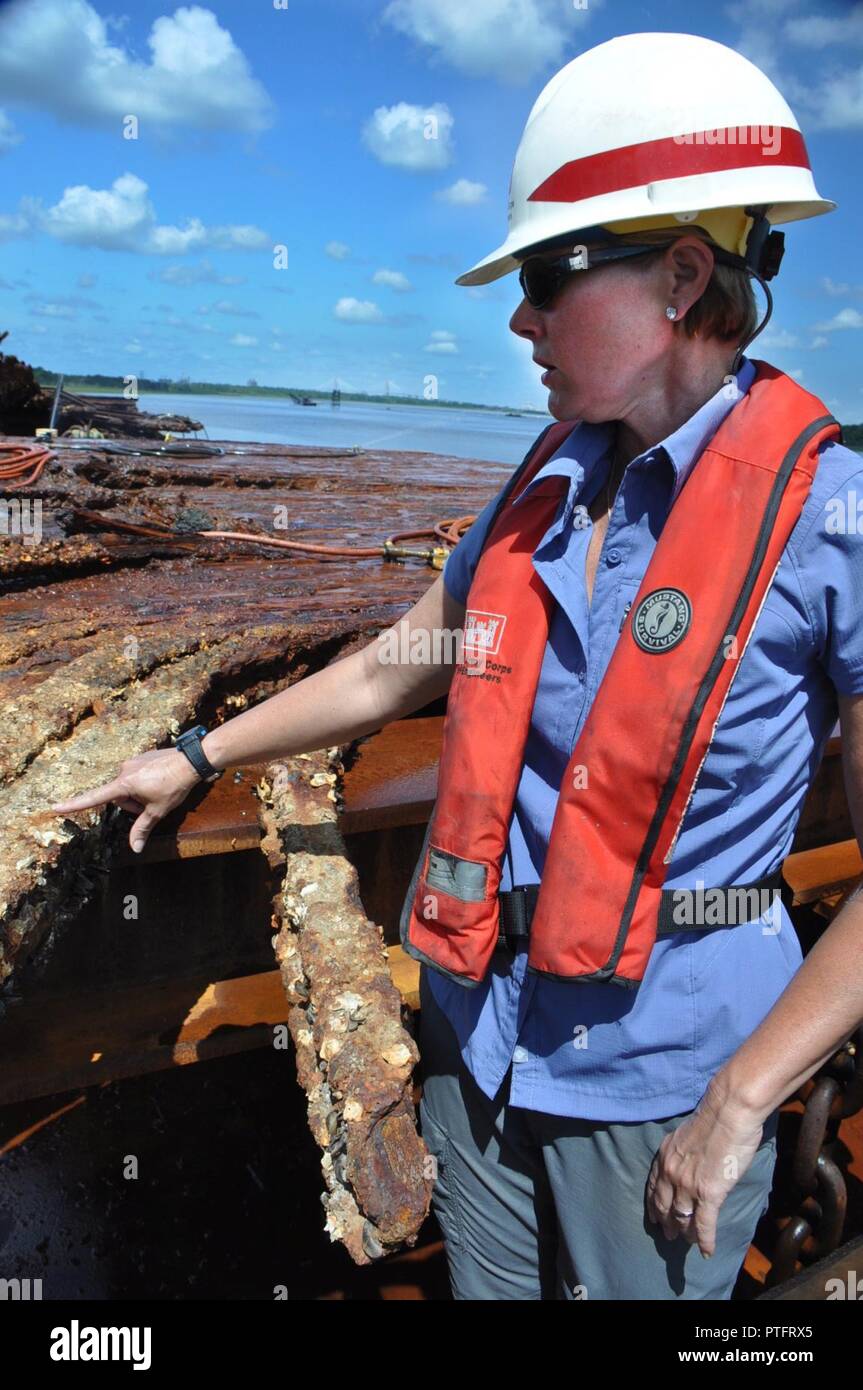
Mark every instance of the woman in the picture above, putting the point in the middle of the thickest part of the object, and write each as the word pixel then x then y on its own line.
pixel 659 627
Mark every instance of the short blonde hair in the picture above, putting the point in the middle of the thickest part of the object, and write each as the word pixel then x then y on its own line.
pixel 726 310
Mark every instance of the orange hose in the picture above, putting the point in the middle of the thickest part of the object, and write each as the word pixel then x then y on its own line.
pixel 292 545
pixel 450 531
pixel 16 459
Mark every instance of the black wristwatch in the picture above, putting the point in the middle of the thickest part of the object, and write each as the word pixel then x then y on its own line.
pixel 190 744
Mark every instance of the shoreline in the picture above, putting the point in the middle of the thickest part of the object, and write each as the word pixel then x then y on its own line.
pixel 83 385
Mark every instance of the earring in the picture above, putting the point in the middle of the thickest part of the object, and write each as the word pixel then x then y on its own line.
pixel 671 312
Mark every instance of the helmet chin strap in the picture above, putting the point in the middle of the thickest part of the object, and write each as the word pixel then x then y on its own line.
pixel 735 366
pixel 764 252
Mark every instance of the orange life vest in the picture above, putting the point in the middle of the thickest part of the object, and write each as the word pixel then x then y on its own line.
pixel 634 766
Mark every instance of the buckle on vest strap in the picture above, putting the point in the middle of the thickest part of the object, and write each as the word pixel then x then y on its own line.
pixel 731 907
pixel 516 912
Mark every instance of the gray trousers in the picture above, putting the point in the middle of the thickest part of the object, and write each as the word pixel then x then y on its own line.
pixel 538 1206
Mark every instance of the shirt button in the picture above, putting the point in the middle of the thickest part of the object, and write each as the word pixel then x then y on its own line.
pixel 520 1054
pixel 613 557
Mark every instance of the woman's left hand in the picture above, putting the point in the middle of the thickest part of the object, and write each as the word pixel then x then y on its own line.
pixel 696 1167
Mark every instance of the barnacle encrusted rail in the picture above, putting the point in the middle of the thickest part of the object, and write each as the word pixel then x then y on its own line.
pixel 354 1055
pixel 67 735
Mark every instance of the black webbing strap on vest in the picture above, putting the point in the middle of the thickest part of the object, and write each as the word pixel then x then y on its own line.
pixel 680 909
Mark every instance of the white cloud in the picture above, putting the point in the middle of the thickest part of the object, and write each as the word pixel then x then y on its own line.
pixel 56 55
pixel 122 218
pixel 512 40
pixel 819 31
pixel 238 237
pixel 442 341
pixel 243 340
pixel 411 137
pixel 53 311
pixel 394 279
pixel 838 103
pixel 357 311
pixel 463 193
pixel 762 9
pixel 237 311
pixel 13 224
pixel 777 338
pixel 829 97
pixel 819 342
pixel 846 318
pixel 337 250
pixel 201 274
pixel 9 136
pixel 830 287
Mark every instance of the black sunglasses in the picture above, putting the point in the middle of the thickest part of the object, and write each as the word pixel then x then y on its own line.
pixel 541 278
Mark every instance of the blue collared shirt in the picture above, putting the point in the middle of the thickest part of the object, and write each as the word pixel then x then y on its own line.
pixel 594 1050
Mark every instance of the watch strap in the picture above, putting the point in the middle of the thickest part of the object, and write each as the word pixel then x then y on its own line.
pixel 190 744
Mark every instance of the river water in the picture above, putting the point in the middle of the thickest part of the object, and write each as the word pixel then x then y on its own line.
pixel 481 434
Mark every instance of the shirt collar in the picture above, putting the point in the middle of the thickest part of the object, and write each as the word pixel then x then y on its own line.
pixel 584 451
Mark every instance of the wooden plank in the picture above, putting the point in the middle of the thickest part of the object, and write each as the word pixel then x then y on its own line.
pixel 393 782
pixel 815 873
pixel 54 1045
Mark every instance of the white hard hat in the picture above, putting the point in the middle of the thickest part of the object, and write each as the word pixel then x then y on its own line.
pixel 654 130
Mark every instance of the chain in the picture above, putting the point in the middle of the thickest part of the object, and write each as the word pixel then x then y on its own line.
pixel 830 1096
pixel 813 1189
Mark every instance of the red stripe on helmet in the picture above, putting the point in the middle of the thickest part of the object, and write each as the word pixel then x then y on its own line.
pixel 673 157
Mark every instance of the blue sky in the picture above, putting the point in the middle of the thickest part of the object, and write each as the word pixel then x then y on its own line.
pixel 265 122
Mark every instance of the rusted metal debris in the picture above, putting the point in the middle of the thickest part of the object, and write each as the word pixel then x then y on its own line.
pixel 22 403
pixel 116 417
pixel 354 1055
pixel 26 406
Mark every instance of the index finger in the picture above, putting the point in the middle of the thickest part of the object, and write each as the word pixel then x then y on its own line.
pixel 100 796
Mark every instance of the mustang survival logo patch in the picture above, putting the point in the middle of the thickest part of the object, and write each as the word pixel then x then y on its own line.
pixel 661 620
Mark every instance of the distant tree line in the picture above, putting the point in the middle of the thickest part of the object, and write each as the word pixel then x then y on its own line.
pixel 185 387
pixel 853 436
